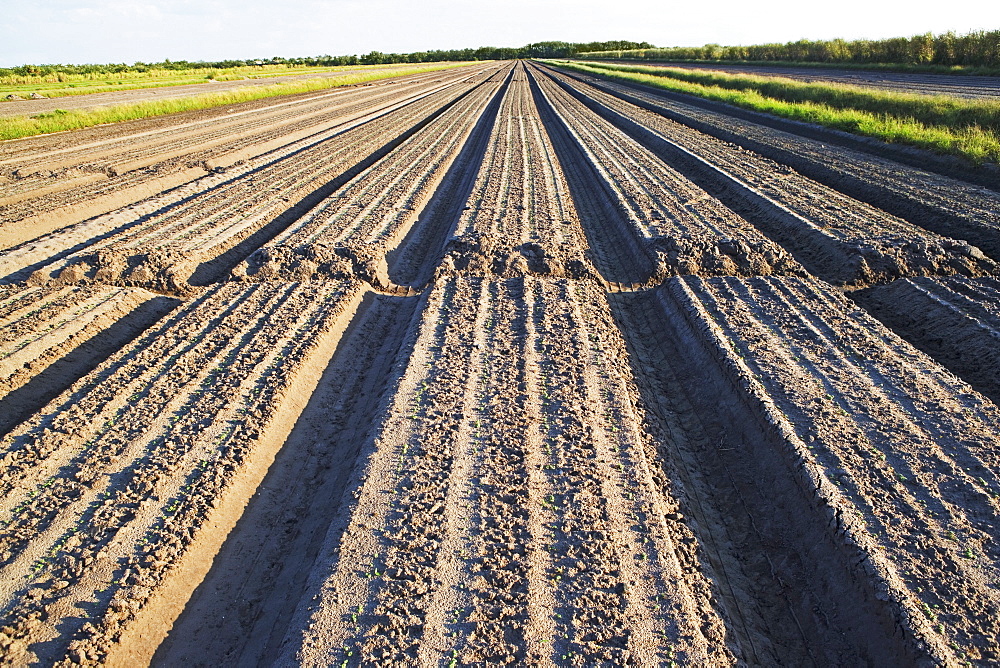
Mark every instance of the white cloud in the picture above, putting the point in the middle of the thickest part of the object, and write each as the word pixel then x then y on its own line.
pixel 117 11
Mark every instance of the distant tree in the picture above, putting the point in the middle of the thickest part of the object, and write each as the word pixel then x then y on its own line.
pixel 981 49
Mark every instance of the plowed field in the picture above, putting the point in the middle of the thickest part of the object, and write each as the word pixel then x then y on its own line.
pixel 494 365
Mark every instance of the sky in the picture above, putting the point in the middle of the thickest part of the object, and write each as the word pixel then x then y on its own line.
pixel 106 31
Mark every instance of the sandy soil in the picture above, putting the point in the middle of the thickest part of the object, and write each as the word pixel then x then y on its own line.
pixel 494 366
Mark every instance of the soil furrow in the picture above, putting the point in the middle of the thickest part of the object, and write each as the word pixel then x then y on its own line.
pixel 956 321
pixel 492 594
pixel 416 257
pixel 118 529
pixel 617 252
pixel 176 133
pixel 142 184
pixel 553 387
pixel 682 226
pixel 835 236
pixel 351 232
pixel 372 581
pixel 620 559
pixel 241 612
pixel 950 207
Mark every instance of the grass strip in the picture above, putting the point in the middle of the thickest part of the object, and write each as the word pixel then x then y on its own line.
pixel 62 120
pixel 952 126
pixel 73 85
pixel 903 68
pixel 944 110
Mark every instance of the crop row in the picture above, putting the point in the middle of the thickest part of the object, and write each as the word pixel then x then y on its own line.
pixel 902 186
pixel 898 453
pixel 954 320
pixel 835 236
pixel 684 227
pixel 49 336
pixel 519 218
pixel 509 507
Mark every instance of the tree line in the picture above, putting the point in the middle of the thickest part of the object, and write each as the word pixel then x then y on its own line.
pixel 975 49
pixel 537 50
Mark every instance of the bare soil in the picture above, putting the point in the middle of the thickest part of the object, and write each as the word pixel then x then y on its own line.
pixel 494 366
pixel 955 320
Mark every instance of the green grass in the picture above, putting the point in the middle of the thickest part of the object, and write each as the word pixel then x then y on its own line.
pixel 62 120
pixel 63 85
pixel 906 68
pixel 930 109
pixel 948 125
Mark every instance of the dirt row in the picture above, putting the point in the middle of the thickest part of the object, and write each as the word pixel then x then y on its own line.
pixel 509 507
pixel 519 218
pixel 899 455
pixel 60 179
pixel 51 336
pixel 351 232
pixel 38 106
pixel 954 320
pixel 685 228
pixel 835 236
pixel 897 182
pixel 165 250
pixel 243 609
pixel 107 489
pixel 107 150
